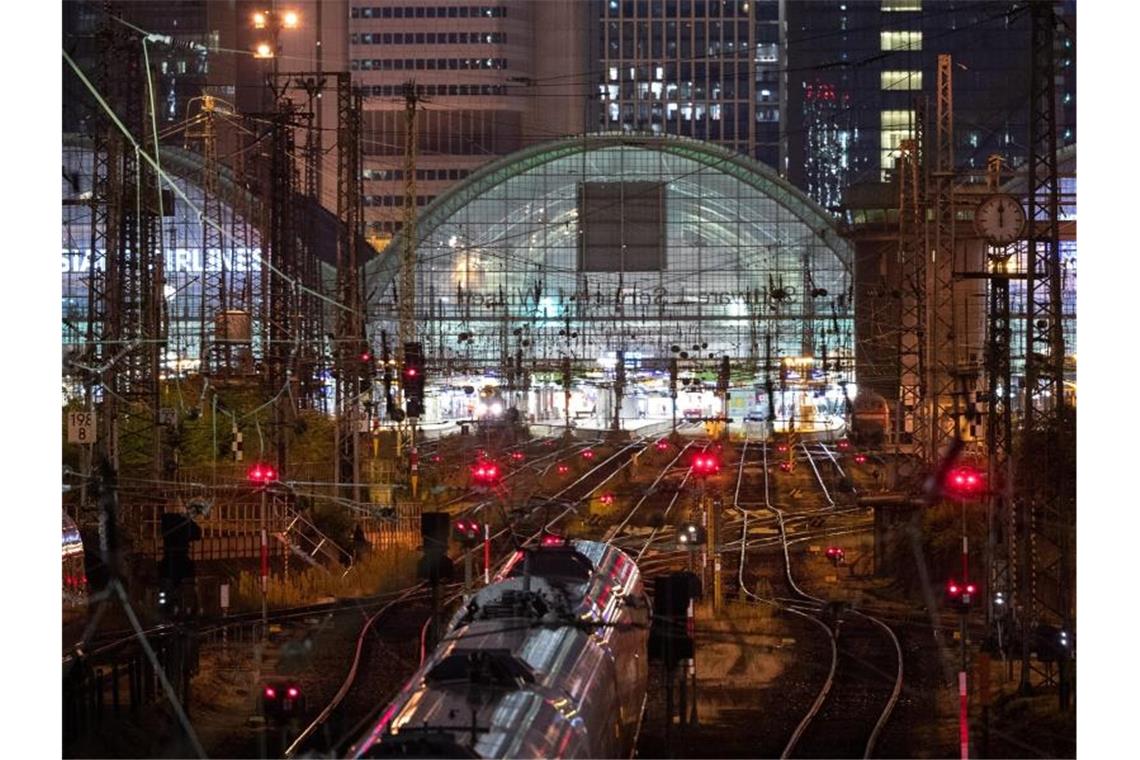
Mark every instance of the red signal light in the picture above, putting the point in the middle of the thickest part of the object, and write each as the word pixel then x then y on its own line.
pixel 953 588
pixel 970 588
pixel 607 498
pixel 843 444
pixel 662 445
pixel 965 482
pixel 293 692
pixel 588 454
pixel 562 469
pixel 860 459
pixel 270 692
pixel 261 473
pixel 364 357
pixel 782 448
pixel 410 372
pixel 552 540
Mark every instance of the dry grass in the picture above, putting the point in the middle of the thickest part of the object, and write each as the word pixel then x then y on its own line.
pixel 379 572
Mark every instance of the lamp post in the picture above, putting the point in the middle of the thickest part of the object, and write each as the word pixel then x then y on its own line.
pixel 272 21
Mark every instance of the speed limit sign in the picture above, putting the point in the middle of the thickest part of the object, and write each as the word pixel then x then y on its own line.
pixel 80 427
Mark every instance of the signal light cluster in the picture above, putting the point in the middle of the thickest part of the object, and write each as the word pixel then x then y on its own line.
pixel 550 539
pixel 843 444
pixel 607 498
pixel 518 456
pixel 467 529
pixel 961 595
pixel 662 445
pixel 835 554
pixel 965 482
pixel 588 454
pixel 261 473
pixel 486 473
pixel 705 464
pixel 860 459
pixel 786 466
pixel 562 469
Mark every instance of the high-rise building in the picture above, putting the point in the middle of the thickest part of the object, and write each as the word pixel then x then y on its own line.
pixel 492 76
pixel 856 68
pixel 708 69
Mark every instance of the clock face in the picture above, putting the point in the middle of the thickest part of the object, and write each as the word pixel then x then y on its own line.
pixel 1000 219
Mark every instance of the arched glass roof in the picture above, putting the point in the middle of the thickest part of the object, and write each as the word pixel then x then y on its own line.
pixel 651 245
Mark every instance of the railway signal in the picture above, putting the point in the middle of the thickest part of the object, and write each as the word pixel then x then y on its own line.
pixel 468 530
pixel 835 554
pixel 860 459
pixel 588 454
pixel 705 465
pixel 607 499
pixel 261 474
pixel 691 535
pixel 961 595
pixel 414 378
pixel 964 483
pixel 562 469
pixel 486 474
pixel 843 444
pixel 282 700
pixel 663 445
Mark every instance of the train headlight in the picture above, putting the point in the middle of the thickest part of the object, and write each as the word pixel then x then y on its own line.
pixel 496 409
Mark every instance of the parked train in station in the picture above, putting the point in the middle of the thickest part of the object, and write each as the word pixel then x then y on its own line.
pixel 549 660
pixel 74 573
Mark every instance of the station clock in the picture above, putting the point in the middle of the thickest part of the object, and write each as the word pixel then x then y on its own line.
pixel 1000 219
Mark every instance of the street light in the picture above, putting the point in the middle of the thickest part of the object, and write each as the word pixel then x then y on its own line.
pixel 274 22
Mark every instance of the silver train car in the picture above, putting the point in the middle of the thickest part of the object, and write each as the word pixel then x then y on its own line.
pixel 548 661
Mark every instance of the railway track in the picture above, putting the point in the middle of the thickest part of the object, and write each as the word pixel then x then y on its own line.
pixel 863 686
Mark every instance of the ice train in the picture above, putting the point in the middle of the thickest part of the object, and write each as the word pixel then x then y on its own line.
pixel 548 661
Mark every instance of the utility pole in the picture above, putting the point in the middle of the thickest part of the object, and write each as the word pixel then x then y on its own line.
pixel 913 265
pixel 941 365
pixel 407 294
pixel 1001 542
pixel 352 352
pixel 1047 515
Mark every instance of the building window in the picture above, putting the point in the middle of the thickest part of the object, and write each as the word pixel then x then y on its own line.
pixel 900 40
pixel 901 5
pixel 901 80
pixel 894 127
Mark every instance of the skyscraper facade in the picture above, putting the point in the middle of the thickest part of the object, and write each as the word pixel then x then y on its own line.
pixel 491 77
pixel 708 69
pixel 857 69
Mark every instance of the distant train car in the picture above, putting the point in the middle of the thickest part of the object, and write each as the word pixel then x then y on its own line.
pixel 548 661
pixel 871 419
pixel 74 572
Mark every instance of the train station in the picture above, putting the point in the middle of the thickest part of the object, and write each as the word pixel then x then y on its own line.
pixel 617 378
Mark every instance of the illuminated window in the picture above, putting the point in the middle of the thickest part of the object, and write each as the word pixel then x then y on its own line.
pixel 901 80
pixel 894 126
pixel 900 40
pixel 901 5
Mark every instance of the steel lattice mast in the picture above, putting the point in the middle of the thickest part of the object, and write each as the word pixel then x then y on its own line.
pixel 1047 513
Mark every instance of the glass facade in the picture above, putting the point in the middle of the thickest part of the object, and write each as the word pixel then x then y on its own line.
pixel 184 271
pixel 700 69
pixel 742 258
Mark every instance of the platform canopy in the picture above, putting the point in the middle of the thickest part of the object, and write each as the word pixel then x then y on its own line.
pixel 657 246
